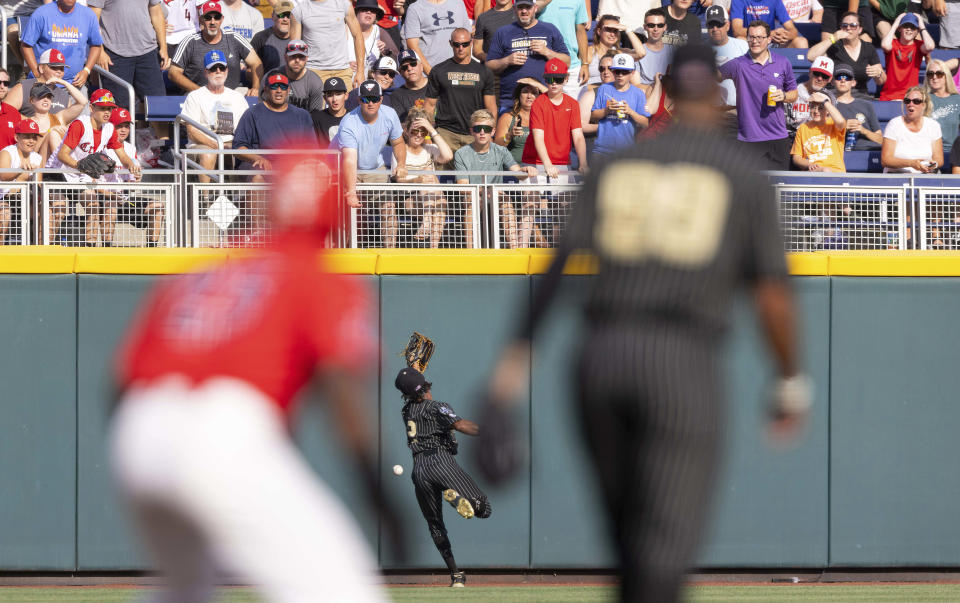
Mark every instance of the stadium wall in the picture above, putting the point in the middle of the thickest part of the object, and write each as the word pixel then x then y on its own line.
pixel 874 483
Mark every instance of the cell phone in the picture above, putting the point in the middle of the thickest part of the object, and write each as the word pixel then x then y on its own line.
pixel 519 121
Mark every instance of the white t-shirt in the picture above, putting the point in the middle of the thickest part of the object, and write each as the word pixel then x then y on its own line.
pixel 371 52
pixel 16 164
pixel 182 14
pixel 217 111
pixel 325 32
pixel 912 145
pixel 244 20
pixel 424 160
pixel 131 152
pixel 735 47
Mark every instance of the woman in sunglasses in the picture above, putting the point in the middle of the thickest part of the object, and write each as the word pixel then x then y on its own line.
pixel 424 157
pixel 914 142
pixel 847 47
pixel 606 39
pixel 513 127
pixel 945 99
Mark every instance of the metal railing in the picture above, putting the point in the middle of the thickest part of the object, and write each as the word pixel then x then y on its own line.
pixel 14 214
pixel 131 94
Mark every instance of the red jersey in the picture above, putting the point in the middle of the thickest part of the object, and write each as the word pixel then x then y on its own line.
pixel 75 135
pixel 271 321
pixel 556 121
pixel 9 118
pixel 903 69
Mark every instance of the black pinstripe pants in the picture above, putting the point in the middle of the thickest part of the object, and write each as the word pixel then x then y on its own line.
pixel 651 409
pixel 434 473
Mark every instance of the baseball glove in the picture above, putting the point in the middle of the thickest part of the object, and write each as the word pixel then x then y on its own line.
pixel 418 351
pixel 96 165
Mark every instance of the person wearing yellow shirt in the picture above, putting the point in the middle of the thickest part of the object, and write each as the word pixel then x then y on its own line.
pixel 818 146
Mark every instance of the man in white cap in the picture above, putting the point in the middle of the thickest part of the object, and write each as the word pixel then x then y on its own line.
pixel 384 73
pixel 798 112
pixel 306 87
pixel 619 109
pixel 52 65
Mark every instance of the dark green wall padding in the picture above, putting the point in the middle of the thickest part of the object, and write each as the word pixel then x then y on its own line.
pixel 872 484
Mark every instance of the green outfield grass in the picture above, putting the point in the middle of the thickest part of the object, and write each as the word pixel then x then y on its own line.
pixel 525 594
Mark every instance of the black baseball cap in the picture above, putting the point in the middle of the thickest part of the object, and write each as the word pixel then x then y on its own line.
pixel 334 84
pixel 370 89
pixel 410 382
pixel 40 90
pixel 716 14
pixel 407 55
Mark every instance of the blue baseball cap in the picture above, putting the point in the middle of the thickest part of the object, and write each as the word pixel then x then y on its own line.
pixel 214 57
pixel 910 19
pixel 407 55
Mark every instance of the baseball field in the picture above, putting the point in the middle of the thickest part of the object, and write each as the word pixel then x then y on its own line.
pixel 529 593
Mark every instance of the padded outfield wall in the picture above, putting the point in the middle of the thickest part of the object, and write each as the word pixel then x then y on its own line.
pixel 873 483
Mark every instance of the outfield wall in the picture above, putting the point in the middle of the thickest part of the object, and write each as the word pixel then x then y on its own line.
pixel 873 484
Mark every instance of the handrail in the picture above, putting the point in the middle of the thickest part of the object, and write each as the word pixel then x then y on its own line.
pixel 131 96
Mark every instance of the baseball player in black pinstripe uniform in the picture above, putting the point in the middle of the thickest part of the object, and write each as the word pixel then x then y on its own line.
pixel 677 225
pixel 436 475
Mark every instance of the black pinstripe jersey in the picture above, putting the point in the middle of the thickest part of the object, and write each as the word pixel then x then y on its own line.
pixel 430 425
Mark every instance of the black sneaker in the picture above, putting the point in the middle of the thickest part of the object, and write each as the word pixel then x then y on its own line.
pixel 458 580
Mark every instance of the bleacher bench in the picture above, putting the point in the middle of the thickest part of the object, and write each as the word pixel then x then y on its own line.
pixel 167 108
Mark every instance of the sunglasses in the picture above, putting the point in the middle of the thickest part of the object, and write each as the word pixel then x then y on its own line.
pixel 849 25
pixel 481 128
pixel 621 71
pixel 279 86
pixel 217 68
pixel 603 69
pixel 843 78
pixel 610 30
pixel 408 65
pixel 297 48
pixel 4 82
pixel 369 100
pixel 212 17
pixel 655 25
pixel 822 76
pixel 555 79
pixel 915 101
pixel 283 16
pixel 459 44
pixel 386 73
pixel 936 74
pixel 418 132
pixel 715 25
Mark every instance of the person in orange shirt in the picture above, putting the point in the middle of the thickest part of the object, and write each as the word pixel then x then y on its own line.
pixel 818 146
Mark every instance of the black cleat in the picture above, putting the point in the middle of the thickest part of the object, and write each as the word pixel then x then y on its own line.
pixel 458 580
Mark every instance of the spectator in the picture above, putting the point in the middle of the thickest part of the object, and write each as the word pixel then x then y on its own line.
pixel 320 23
pixel 487 24
pixel 376 41
pixel 271 124
pixel 241 18
pixel 862 122
pixel 81 31
pixel 15 10
pixel 9 116
pixel 764 82
pixel 89 134
pixel 424 157
pixel 188 68
pixel 606 38
pixel 657 56
pixel 271 44
pixel 183 20
pixel 630 12
pixel 22 155
pixel 771 12
pixel 833 11
pixel 482 155
pixel 413 93
pixel 427 27
pixel 134 46
pixel 913 143
pixel 384 72
pixel 513 126
pixel 683 27
pixel 818 146
pixel 619 110
pixel 949 22
pixel 327 122
pixel 53 124
pixel 456 88
pixel 306 87
pixel 821 72
pixel 554 128
pixel 884 13
pixel 570 17
pixel 724 47
pixel 942 92
pixel 52 66
pixel 905 53
pixel 391 19
pixel 589 93
pixel 848 48
pixel 363 133
pixel 215 106
pixel 522 49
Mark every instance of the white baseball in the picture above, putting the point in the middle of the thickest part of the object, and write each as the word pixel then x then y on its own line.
pixel 398 469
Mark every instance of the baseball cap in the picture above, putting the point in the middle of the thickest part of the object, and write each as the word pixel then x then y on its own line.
pixel 40 90
pixel 555 67
pixel 716 14
pixel 283 6
pixel 214 57
pixel 370 88
pixel 334 84
pixel 102 98
pixel 52 56
pixel 410 381
pixel 823 65
pixel 623 62
pixel 278 78
pixel 407 55
pixel 910 19
pixel 524 2
pixel 369 5
pixel 211 6
pixel 120 116
pixel 296 47
pixel 844 69
pixel 829 95
pixel 27 126
pixel 386 64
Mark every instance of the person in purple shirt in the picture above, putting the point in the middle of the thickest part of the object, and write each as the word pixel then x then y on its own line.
pixel 743 12
pixel 764 83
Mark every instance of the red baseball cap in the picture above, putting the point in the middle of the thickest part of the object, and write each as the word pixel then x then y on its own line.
pixel 120 116
pixel 555 67
pixel 211 6
pixel 52 56
pixel 103 98
pixel 278 78
pixel 27 126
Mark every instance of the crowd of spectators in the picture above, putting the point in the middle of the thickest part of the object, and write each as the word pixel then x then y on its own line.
pixel 402 87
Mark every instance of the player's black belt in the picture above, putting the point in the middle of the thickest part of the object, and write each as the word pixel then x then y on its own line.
pixel 430 452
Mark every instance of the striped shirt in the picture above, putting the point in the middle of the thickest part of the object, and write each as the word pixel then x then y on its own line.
pixel 191 51
pixel 430 426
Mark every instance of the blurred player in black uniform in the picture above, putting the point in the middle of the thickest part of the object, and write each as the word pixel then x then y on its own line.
pixel 678 225
pixel 436 474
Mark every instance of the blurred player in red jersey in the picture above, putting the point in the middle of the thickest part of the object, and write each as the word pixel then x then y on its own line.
pixel 199 441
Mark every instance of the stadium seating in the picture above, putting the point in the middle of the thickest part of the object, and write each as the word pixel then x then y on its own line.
pixel 166 108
